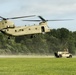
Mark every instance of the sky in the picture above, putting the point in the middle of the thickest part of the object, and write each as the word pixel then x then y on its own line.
pixel 48 9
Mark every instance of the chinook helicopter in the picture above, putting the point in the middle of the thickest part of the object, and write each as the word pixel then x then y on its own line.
pixel 9 28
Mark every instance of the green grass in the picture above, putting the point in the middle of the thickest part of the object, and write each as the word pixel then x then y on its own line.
pixel 37 66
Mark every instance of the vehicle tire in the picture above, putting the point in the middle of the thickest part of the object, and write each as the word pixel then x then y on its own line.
pixel 56 55
pixel 60 55
pixel 70 56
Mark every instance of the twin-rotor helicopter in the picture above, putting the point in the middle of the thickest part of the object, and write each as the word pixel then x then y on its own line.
pixel 9 28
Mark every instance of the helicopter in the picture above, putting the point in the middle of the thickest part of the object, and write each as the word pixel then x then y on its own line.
pixel 8 27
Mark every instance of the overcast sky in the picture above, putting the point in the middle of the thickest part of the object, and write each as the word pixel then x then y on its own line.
pixel 49 9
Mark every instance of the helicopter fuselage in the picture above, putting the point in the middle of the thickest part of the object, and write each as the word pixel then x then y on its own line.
pixel 11 30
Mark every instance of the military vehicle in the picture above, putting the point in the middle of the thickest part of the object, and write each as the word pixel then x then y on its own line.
pixel 61 54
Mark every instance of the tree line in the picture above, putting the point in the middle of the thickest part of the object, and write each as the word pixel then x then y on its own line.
pixel 55 40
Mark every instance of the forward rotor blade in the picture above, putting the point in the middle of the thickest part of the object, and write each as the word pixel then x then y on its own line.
pixel 2 18
pixel 21 17
pixel 32 20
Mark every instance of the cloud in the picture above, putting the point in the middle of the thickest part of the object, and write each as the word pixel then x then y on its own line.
pixel 46 7
pixel 42 7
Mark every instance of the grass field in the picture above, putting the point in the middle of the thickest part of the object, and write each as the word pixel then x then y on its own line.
pixel 37 66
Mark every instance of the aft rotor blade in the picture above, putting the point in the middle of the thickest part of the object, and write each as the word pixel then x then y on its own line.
pixel 42 18
pixel 48 20
pixel 60 20
pixel 21 17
